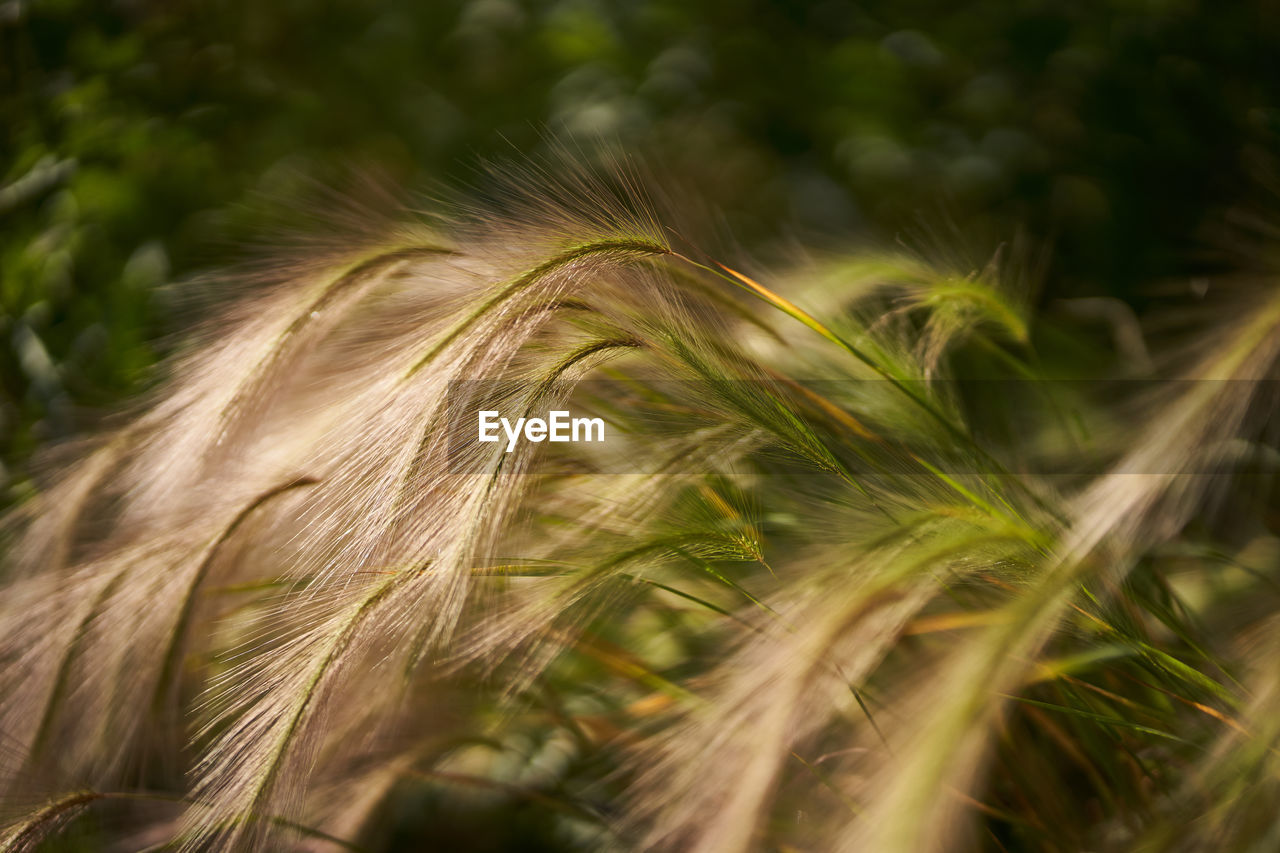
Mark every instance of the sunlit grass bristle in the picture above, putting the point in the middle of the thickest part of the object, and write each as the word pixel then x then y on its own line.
pixel 808 596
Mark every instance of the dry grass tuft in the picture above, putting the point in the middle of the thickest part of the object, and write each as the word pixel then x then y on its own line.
pixel 814 595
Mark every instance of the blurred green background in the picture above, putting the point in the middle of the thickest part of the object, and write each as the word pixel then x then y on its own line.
pixel 132 134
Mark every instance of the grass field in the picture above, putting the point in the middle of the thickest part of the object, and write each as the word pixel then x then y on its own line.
pixel 885 553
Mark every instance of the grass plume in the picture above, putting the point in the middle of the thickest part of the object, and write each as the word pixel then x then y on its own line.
pixel 822 590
